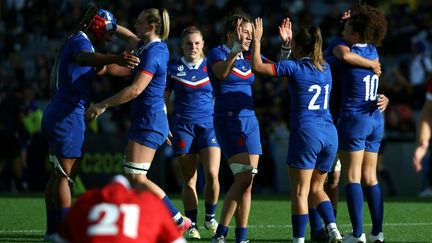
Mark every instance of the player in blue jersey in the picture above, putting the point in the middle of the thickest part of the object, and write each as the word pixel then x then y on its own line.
pixel 149 128
pixel 313 139
pixel 361 123
pixel 192 129
pixel 339 49
pixel 235 122
pixel 63 123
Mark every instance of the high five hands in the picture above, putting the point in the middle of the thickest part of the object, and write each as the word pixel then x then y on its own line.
pixel 239 38
pixel 285 33
pixel 257 29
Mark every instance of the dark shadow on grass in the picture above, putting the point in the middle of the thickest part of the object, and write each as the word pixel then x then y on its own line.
pixel 10 237
pixel 22 195
pixel 272 240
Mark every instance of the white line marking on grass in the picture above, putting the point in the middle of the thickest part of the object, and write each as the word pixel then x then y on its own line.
pixel 21 231
pixel 251 226
pixel 344 225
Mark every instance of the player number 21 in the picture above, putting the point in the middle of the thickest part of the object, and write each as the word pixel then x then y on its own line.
pixel 317 89
pixel 106 215
pixel 371 83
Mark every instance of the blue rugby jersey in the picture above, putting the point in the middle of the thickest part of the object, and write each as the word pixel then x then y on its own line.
pixel 359 85
pixel 193 91
pixel 154 62
pixel 73 85
pixel 335 42
pixel 308 86
pixel 233 96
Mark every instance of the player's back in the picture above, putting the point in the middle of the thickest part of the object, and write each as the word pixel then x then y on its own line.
pixel 74 81
pixel 359 86
pixel 117 213
pixel 309 89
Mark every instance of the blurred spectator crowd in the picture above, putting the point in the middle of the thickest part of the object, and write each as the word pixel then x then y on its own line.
pixel 31 31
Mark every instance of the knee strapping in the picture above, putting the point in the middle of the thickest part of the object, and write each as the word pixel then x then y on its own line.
pixel 136 168
pixel 57 166
pixel 238 168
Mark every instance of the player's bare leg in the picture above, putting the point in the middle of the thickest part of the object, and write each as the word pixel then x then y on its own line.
pixel 321 202
pixel 373 195
pixel 138 161
pixel 238 196
pixel 188 167
pixel 300 184
pixel 210 159
pixel 352 165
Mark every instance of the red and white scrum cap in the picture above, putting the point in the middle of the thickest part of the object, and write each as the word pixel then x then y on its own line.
pixel 103 22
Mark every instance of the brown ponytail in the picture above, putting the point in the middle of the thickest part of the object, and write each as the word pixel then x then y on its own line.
pixel 311 41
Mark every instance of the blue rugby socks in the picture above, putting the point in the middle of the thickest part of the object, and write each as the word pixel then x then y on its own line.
pixel 376 207
pixel 315 221
pixel 354 198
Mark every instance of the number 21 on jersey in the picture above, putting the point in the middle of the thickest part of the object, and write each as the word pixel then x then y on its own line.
pixel 313 102
pixel 105 217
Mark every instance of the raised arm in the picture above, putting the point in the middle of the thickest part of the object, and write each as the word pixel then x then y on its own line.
pixel 258 65
pixel 127 35
pixel 285 33
pixel 222 69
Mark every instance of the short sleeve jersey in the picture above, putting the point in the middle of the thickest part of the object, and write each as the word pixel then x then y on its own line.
pixel 359 86
pixel 193 91
pixel 233 95
pixel 117 213
pixel 308 86
pixel 74 81
pixel 154 62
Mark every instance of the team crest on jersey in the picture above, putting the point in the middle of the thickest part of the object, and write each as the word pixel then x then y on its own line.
pixel 194 78
pixel 244 68
pixel 181 72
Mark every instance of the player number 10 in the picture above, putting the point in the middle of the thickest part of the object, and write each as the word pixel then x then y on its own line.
pixel 371 87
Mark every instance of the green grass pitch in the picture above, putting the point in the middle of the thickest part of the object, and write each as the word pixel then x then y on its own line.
pixel 22 219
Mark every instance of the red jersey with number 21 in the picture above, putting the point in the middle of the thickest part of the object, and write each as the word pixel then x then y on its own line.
pixel 117 213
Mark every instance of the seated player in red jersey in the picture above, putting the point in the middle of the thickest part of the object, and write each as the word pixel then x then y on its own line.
pixel 119 213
